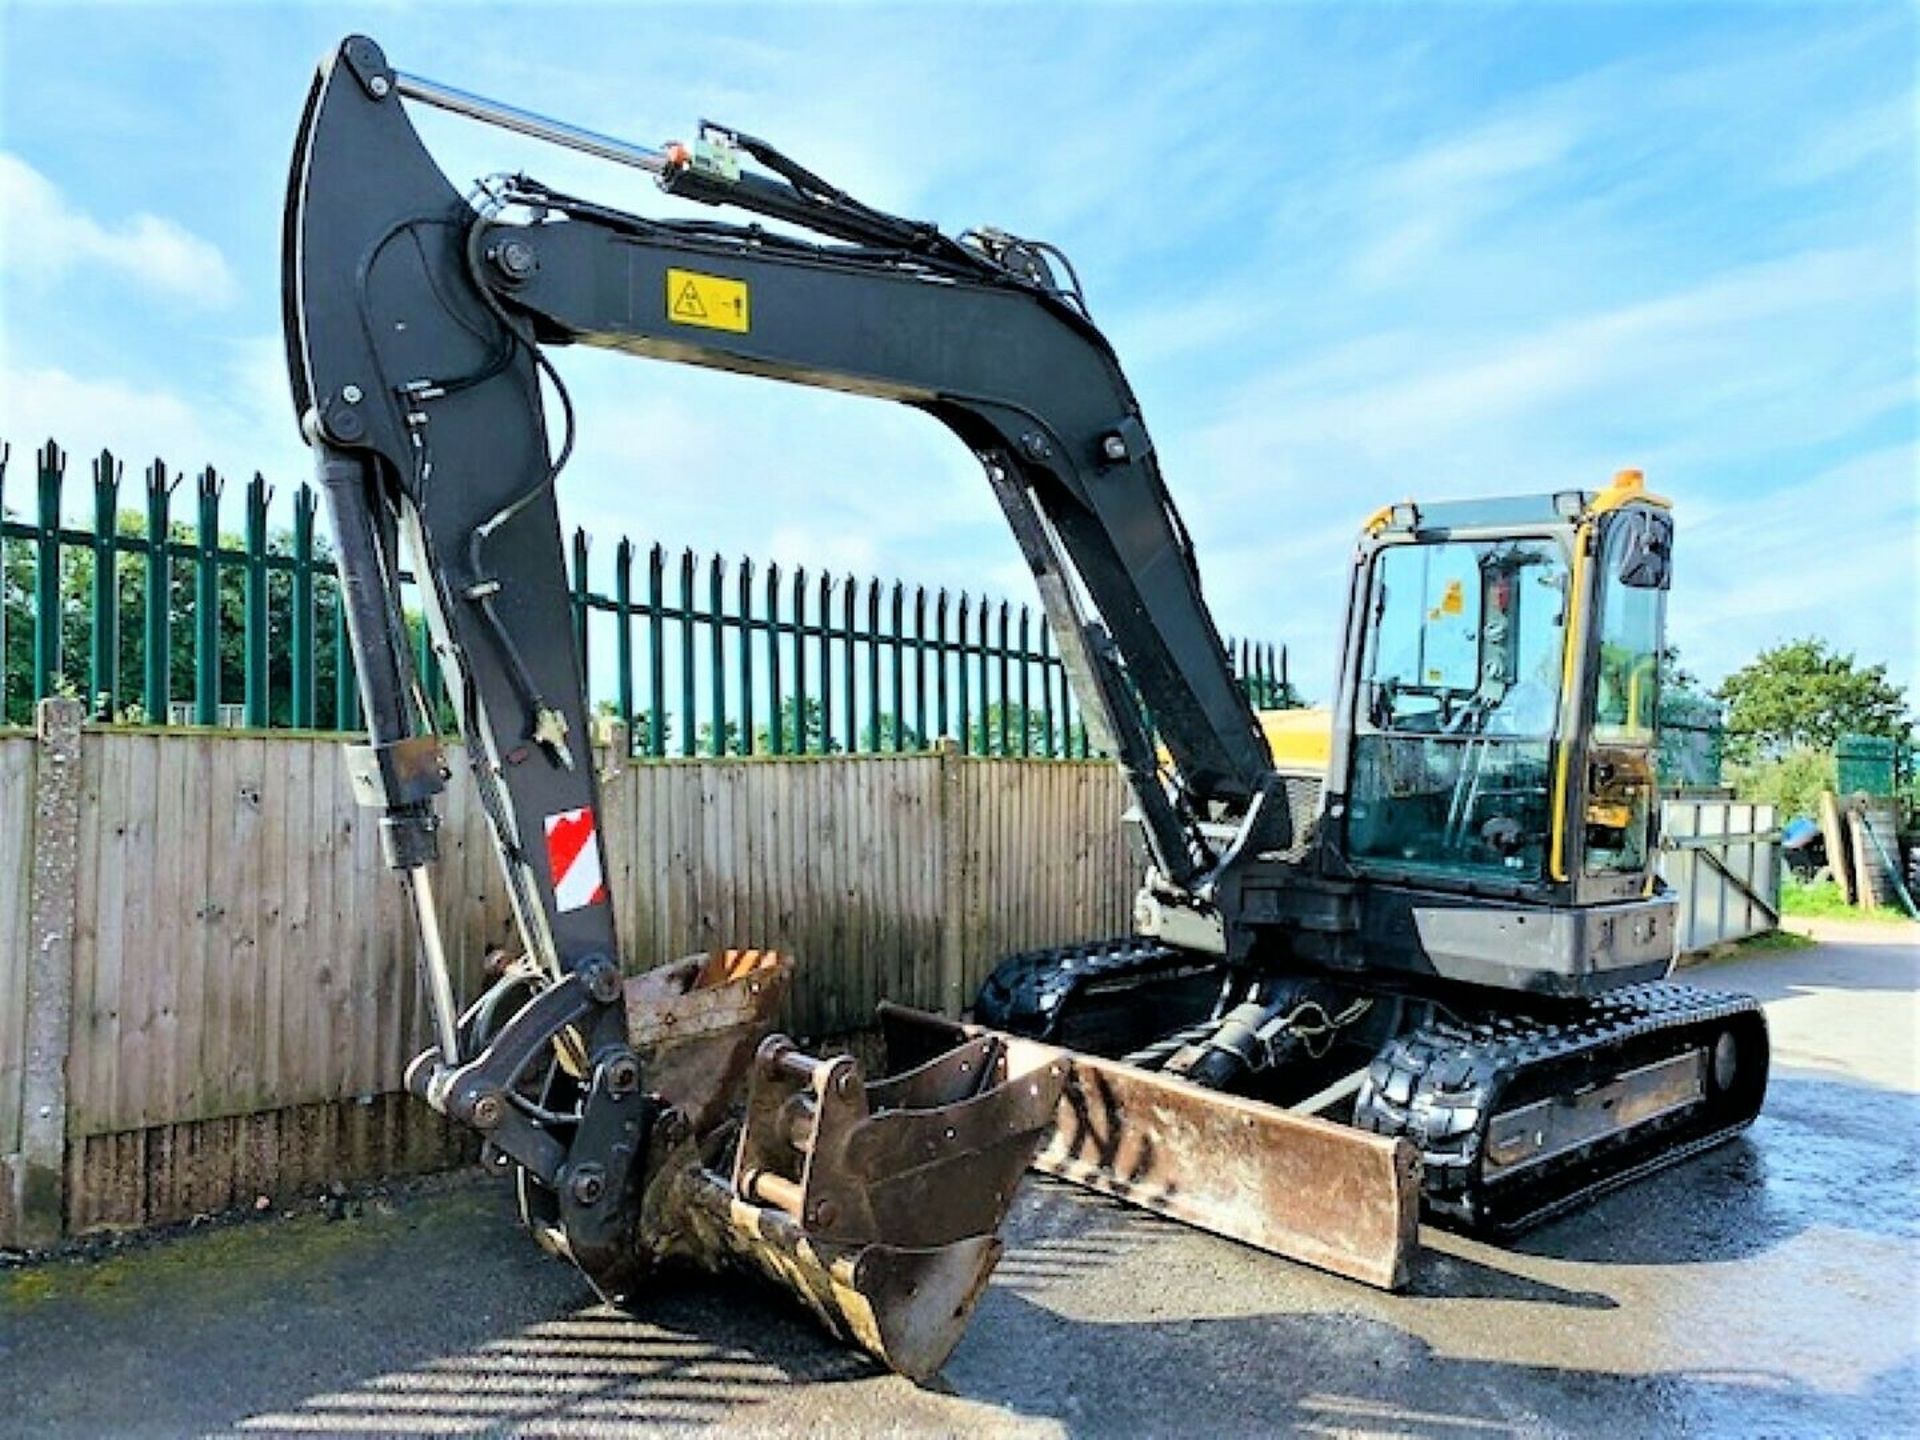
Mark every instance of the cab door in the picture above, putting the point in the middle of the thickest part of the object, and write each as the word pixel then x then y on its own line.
pixel 1615 804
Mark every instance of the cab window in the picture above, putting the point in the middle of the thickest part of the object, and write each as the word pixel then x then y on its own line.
pixel 1458 705
pixel 1621 782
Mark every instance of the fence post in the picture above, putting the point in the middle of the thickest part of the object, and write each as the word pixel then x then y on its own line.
pixel 40 1183
pixel 953 888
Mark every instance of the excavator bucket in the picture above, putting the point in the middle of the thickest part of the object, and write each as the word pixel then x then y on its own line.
pixel 1310 1190
pixel 878 1204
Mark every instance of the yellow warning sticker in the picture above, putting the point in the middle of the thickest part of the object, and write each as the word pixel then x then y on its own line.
pixel 712 301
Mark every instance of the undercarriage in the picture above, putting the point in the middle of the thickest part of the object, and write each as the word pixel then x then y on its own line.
pixel 1517 1108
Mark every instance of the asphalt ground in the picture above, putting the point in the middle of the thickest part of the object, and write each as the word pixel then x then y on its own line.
pixel 1771 1286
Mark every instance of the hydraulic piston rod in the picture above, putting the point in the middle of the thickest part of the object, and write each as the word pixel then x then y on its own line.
pixel 525 122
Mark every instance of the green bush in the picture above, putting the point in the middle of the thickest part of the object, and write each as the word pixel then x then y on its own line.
pixel 1791 783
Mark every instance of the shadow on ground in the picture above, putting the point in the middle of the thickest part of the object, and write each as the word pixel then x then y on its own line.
pixel 436 1316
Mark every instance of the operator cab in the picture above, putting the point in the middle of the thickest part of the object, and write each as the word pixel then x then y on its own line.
pixel 1495 735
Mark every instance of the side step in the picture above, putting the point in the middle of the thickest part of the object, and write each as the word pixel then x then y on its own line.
pixel 1306 1189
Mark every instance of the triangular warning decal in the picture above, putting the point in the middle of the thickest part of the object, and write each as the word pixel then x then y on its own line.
pixel 687 305
pixel 711 302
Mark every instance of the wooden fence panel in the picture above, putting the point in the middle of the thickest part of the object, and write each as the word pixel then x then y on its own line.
pixel 240 946
pixel 244 990
pixel 835 861
pixel 1040 858
pixel 16 872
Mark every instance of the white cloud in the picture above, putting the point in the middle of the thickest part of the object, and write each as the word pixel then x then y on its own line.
pixel 1834 555
pixel 243 424
pixel 43 235
pixel 1435 196
pixel 1879 132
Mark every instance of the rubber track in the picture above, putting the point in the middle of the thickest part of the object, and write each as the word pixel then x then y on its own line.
pixel 1440 1086
pixel 1027 993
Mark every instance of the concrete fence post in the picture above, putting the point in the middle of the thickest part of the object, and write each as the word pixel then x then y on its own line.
pixel 953 887
pixel 40 1182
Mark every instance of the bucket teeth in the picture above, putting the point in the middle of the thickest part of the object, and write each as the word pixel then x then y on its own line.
pixel 877 1204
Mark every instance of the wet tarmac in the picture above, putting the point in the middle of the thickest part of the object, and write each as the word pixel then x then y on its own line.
pixel 1771 1286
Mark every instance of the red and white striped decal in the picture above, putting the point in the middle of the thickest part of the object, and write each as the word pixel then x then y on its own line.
pixel 573 860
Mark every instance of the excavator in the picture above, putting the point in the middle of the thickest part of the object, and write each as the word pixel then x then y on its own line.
pixel 1424 975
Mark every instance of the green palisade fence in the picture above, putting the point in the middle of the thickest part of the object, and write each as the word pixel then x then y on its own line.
pixel 152 618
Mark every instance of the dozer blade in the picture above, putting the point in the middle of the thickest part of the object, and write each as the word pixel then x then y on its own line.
pixel 1292 1185
pixel 878 1204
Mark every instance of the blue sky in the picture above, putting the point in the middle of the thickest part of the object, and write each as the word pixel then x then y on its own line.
pixel 1348 254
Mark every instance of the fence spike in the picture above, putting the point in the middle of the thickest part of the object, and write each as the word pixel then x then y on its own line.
pixel 656 652
pixel 920 738
pixel 743 577
pixel 1006 697
pixel 872 737
pixel 943 714
pixel 849 681
pixel 799 633
pixel 623 639
pixel 253 645
pixel 776 731
pixel 951 631
pixel 689 726
pixel 46 609
pixel 964 687
pixel 822 603
pixel 717 655
pixel 896 731
pixel 206 600
pixel 301 638
pixel 103 641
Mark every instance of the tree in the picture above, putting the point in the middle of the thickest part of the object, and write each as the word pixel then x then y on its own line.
pixel 1805 695
pixel 1016 720
pixel 17 590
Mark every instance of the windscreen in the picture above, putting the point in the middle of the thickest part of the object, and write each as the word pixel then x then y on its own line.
pixel 1458 705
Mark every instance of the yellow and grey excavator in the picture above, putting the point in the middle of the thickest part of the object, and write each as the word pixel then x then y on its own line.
pixel 1432 966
